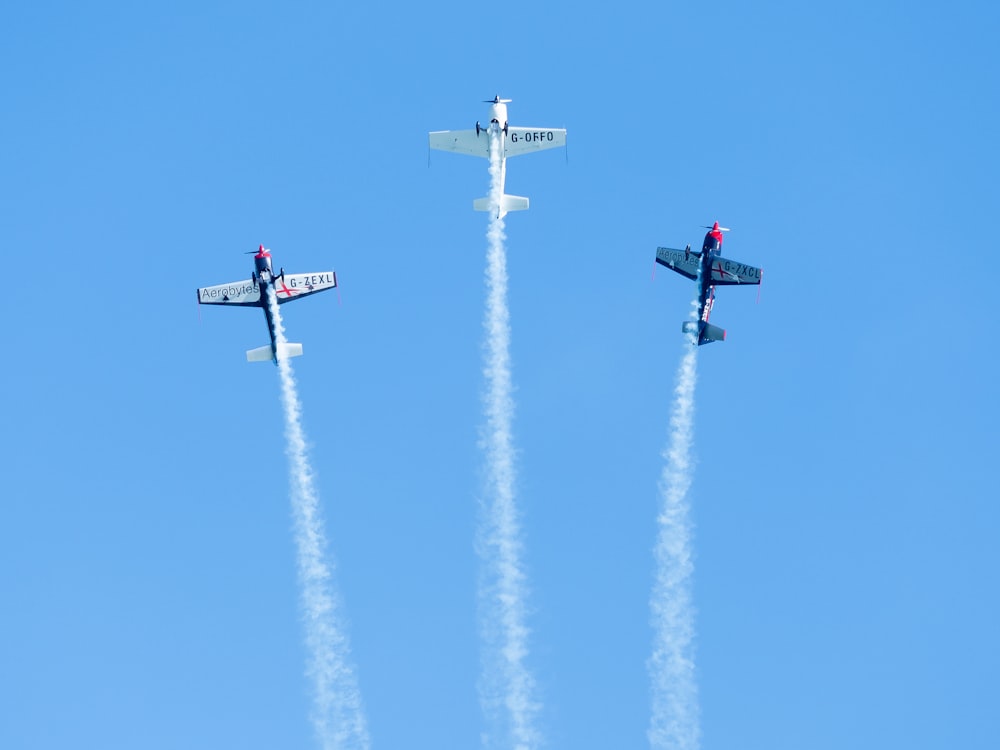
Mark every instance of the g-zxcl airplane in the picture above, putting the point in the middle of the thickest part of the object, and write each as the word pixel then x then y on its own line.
pixel 254 293
pixel 513 142
pixel 710 270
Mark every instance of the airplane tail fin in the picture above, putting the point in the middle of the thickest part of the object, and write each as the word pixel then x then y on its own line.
pixel 265 353
pixel 707 333
pixel 507 203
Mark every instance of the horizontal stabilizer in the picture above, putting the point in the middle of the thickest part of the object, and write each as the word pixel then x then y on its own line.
pixel 707 333
pixel 507 203
pixel 266 353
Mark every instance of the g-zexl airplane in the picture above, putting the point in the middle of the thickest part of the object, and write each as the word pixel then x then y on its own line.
pixel 254 293
pixel 513 142
pixel 710 270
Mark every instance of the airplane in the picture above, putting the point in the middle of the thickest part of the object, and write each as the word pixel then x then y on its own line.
pixel 254 293
pixel 710 270
pixel 514 141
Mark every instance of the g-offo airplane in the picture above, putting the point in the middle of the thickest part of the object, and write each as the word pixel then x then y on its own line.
pixel 710 270
pixel 255 293
pixel 513 142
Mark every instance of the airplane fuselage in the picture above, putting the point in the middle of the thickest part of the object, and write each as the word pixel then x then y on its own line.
pixel 264 276
pixel 710 249
pixel 498 114
pixel 498 128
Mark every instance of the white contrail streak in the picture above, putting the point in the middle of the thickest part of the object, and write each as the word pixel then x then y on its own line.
pixel 338 715
pixel 507 687
pixel 675 722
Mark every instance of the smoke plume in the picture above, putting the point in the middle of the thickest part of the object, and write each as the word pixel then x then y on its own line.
pixel 338 715
pixel 507 687
pixel 675 721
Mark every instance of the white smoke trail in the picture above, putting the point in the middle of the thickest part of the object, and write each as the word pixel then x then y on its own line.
pixel 507 687
pixel 675 720
pixel 338 715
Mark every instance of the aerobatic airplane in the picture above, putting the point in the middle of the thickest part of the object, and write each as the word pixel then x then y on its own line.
pixel 254 293
pixel 710 270
pixel 513 142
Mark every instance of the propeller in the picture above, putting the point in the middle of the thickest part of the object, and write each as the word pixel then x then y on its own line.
pixel 716 226
pixel 497 100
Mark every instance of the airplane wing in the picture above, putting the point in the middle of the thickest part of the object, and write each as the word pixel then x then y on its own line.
pixel 298 285
pixel 685 263
pixel 462 142
pixel 238 293
pixel 726 272
pixel 526 140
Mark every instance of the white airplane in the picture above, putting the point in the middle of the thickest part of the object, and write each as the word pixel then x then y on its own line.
pixel 514 141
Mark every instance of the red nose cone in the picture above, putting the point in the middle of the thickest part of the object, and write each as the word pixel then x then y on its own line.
pixel 262 253
pixel 715 233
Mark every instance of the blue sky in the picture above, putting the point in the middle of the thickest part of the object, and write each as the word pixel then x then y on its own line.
pixel 844 501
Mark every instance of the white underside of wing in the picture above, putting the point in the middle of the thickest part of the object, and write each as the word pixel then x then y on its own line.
pixel 298 285
pixel 526 140
pixel 235 293
pixel 461 142
pixel 725 271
